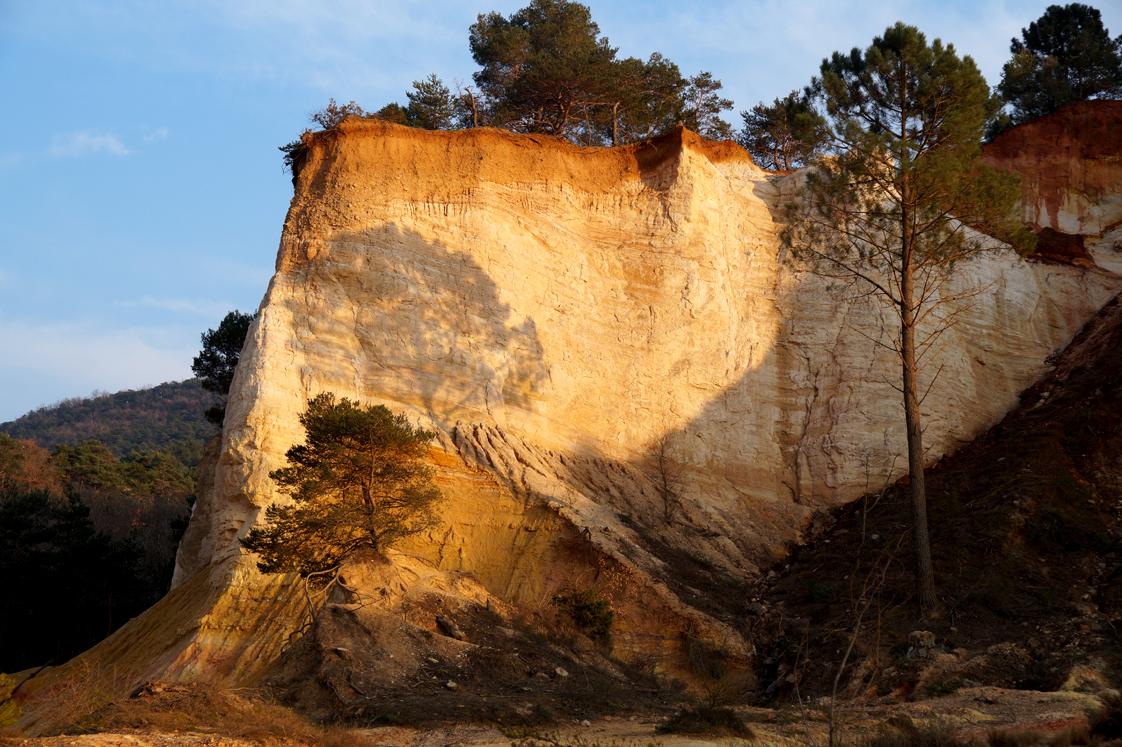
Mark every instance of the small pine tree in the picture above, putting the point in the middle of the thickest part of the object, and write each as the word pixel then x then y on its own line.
pixel 359 482
pixel 702 106
pixel 785 135
pixel 394 113
pixel 431 106
pixel 333 114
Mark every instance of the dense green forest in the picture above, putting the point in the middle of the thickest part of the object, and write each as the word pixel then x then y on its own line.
pixel 95 494
pixel 66 584
pixel 88 542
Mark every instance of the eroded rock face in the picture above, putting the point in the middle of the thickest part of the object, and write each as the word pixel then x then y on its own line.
pixel 1071 166
pixel 553 312
pixel 1069 163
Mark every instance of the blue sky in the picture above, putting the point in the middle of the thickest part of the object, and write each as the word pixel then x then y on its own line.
pixel 141 191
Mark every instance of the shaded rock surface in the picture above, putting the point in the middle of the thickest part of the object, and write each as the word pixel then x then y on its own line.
pixel 1026 544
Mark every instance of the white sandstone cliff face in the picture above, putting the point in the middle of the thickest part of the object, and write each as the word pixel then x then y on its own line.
pixel 589 303
pixel 554 311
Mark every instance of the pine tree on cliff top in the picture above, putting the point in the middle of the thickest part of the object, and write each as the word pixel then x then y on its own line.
pixel 885 214
pixel 783 136
pixel 545 69
pixel 1063 57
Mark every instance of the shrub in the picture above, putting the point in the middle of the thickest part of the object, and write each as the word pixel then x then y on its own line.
pixel 589 611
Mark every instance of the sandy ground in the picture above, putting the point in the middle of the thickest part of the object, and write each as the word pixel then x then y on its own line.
pixel 971 711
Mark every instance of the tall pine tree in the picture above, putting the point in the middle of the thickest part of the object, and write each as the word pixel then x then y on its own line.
pixel 887 212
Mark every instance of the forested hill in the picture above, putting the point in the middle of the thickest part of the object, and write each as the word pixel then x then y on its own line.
pixel 98 523
pixel 166 417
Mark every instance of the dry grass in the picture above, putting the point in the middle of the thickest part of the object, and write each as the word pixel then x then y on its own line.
pixel 72 703
pixel 905 734
pixel 707 720
pixel 94 701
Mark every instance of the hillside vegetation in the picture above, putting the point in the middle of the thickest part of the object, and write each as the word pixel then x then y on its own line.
pixel 95 494
pixel 165 417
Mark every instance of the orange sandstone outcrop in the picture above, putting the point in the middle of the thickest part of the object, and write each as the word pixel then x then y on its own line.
pixel 553 313
pixel 1071 167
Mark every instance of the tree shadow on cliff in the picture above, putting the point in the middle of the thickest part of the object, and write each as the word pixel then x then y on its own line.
pixel 415 322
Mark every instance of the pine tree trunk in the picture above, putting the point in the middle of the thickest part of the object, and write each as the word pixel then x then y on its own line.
pixel 924 573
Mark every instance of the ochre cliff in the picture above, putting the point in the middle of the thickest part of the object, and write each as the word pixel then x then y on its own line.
pixel 1071 168
pixel 553 312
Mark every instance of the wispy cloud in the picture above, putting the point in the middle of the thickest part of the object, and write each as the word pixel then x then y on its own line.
pixel 86 143
pixel 371 52
pixel 52 361
pixel 340 47
pixel 160 133
pixel 180 305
